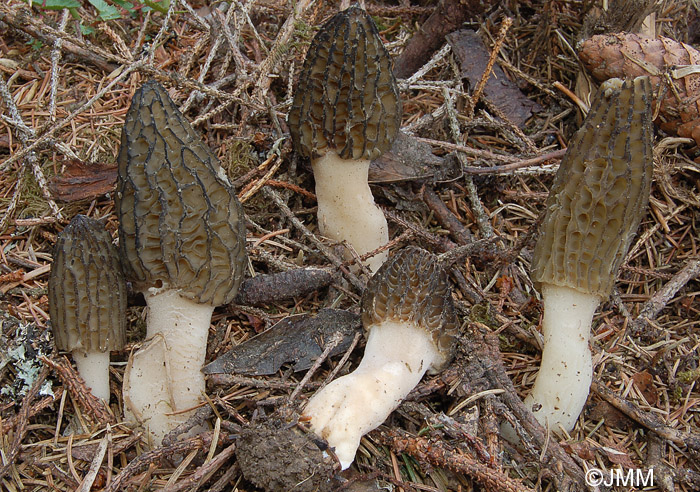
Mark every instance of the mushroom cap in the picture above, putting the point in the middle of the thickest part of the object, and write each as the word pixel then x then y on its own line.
pixel 600 192
pixel 347 100
pixel 87 289
pixel 181 225
pixel 412 287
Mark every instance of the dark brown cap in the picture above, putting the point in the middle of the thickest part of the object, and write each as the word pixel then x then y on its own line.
pixel 87 290
pixel 600 192
pixel 180 223
pixel 411 286
pixel 347 100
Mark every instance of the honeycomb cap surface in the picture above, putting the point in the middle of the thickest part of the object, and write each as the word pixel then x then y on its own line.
pixel 347 99
pixel 411 286
pixel 87 289
pixel 600 192
pixel 181 225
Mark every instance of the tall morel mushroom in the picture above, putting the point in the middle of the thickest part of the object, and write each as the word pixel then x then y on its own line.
pixel 87 300
pixel 595 205
pixel 346 111
pixel 182 237
pixel 410 323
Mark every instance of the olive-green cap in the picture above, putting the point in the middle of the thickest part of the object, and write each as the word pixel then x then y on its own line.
pixel 347 100
pixel 87 289
pixel 600 192
pixel 181 225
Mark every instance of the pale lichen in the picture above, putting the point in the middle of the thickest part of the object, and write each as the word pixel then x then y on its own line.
pixel 23 355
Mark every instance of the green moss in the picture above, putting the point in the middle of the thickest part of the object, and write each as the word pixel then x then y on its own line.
pixel 481 313
pixel 239 159
pixel 676 395
pixel 687 377
pixel 303 33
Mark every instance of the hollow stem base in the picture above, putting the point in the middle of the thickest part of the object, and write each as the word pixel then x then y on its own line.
pixel 163 378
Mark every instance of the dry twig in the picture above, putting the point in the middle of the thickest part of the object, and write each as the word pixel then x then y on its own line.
pixel 438 453
pixel 95 408
pixel 649 420
pixel 22 423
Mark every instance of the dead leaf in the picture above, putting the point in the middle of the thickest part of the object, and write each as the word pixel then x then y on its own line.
pixel 645 384
pixel 505 284
pixel 617 456
pixel 473 57
pixel 298 339
pixel 581 448
pixel 615 419
pixel 410 159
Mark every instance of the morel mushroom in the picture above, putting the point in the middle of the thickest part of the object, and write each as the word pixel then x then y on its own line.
pixel 346 111
pixel 87 300
pixel 181 235
pixel 594 208
pixel 410 323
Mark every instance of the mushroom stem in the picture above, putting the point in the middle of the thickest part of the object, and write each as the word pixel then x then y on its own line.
pixel 346 208
pixel 93 367
pixel 397 355
pixel 164 376
pixel 562 385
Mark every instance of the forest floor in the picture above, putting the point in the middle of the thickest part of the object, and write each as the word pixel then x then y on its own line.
pixel 482 161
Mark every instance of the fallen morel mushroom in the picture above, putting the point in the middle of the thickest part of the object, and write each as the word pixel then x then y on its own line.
pixel 595 205
pixel 410 323
pixel 87 300
pixel 346 111
pixel 182 238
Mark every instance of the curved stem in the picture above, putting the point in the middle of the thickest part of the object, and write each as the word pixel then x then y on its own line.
pixel 397 355
pixel 346 208
pixel 562 385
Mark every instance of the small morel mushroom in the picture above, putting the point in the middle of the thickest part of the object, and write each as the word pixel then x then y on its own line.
pixel 410 323
pixel 87 300
pixel 182 238
pixel 595 205
pixel 346 111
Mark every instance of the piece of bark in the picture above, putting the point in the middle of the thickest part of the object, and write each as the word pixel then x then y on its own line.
pixel 263 289
pixel 473 58
pixel 298 339
pixel 447 16
pixel 410 159
pixel 80 181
